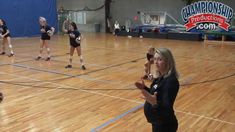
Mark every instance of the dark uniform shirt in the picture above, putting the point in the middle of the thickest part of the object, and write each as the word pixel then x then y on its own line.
pixel 167 89
pixel 44 35
pixel 73 42
pixel 3 30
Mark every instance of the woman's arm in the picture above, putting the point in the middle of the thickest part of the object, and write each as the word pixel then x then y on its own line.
pixel 141 85
pixel 152 99
pixel 63 26
pixel 168 93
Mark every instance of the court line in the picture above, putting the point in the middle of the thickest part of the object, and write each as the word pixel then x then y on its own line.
pixel 60 85
pixel 117 118
pixel 98 128
pixel 27 96
pixel 205 117
pixel 197 115
pixel 82 76
pixel 187 57
pixel 79 75
pixel 88 78
pixel 204 59
pixel 118 50
pixel 3 64
pixel 76 63
pixel 79 88
pixel 206 81
pixel 108 81
pixel 129 100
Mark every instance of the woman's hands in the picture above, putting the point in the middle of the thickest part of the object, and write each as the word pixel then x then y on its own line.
pixel 152 99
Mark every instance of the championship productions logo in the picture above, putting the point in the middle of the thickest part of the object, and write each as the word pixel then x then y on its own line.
pixel 207 15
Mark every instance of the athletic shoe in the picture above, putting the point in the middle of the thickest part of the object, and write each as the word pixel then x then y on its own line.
pixel 68 66
pixel 83 67
pixel 3 53
pixel 48 59
pixel 38 58
pixel 11 55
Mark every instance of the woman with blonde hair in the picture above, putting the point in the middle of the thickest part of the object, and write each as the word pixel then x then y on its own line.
pixel 46 33
pixel 161 95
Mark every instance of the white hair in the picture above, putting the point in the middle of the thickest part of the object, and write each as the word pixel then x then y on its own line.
pixel 42 19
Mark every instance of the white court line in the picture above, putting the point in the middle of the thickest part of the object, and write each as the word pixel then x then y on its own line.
pixel 27 96
pixel 83 76
pixel 205 117
pixel 88 91
pixel 93 92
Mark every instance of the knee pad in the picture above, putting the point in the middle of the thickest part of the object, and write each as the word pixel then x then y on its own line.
pixel 10 46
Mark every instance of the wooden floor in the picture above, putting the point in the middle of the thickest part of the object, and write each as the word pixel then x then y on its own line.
pixel 44 96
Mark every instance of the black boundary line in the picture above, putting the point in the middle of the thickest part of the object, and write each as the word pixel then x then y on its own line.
pixel 204 59
pixel 217 79
pixel 61 88
pixel 72 76
pixel 29 60
pixel 101 69
pixel 207 81
pixel 187 57
pixel 45 87
pixel 78 63
pixel 68 75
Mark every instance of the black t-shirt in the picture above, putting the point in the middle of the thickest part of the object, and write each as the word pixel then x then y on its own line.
pixel 3 29
pixel 44 35
pixel 167 89
pixel 73 40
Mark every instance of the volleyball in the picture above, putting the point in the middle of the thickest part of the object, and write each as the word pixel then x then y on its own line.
pixel 78 40
pixel 49 32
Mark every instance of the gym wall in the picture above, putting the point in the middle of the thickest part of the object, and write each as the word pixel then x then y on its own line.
pixel 92 17
pixel 122 10
pixel 22 16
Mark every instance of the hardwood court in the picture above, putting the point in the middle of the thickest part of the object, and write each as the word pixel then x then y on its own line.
pixel 44 96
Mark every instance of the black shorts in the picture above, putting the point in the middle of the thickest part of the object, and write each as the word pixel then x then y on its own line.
pixel 116 31
pixel 45 37
pixel 8 35
pixel 75 45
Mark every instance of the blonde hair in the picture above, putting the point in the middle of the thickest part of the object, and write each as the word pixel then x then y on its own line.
pixel 169 59
pixel 43 19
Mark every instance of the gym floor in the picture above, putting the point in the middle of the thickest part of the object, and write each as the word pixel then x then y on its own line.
pixel 44 96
